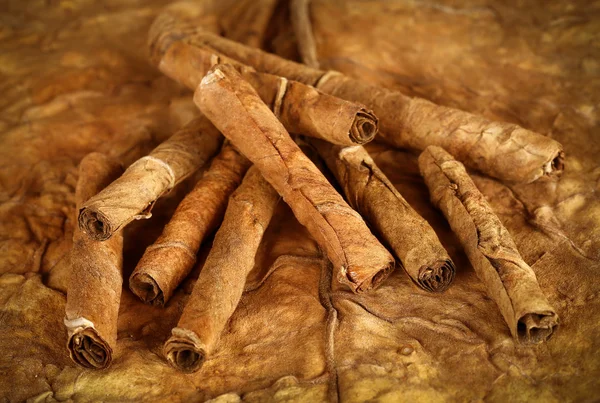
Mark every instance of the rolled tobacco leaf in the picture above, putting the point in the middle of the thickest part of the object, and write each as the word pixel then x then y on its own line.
pixel 132 196
pixel 510 282
pixel 502 150
pixel 221 283
pixel 300 19
pixel 299 107
pixel 94 290
pixel 370 192
pixel 171 258
pixel 360 261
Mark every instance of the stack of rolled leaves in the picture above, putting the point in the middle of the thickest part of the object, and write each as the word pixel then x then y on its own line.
pixel 264 107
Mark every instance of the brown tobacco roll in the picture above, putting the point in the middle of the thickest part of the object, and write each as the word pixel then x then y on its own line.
pixel 502 150
pixel 94 290
pixel 360 260
pixel 371 193
pixel 171 258
pixel 300 19
pixel 299 107
pixel 132 195
pixel 219 288
pixel 510 282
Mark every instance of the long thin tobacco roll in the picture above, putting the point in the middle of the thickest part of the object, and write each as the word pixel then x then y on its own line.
pixel 221 283
pixel 95 282
pixel 360 260
pixel 299 107
pixel 132 195
pixel 171 258
pixel 502 150
pixel 510 282
pixel 300 19
pixel 370 192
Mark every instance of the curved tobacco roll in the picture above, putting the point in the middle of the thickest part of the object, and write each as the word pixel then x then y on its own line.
pixel 132 196
pixel 510 282
pixel 94 290
pixel 502 150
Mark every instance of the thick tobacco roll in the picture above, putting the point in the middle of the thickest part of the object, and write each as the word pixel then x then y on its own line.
pixel 132 195
pixel 360 260
pixel 221 282
pixel 299 107
pixel 95 283
pixel 502 150
pixel 370 192
pixel 510 282
pixel 171 258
